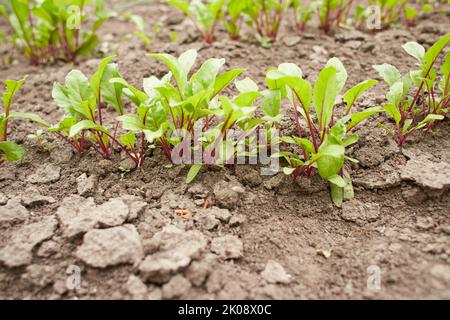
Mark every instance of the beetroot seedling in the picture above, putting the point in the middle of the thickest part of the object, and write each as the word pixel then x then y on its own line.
pixel 183 112
pixel 50 30
pixel 324 139
pixel 266 17
pixel 430 101
pixel 333 13
pixel 83 101
pixel 10 151
pixel 303 13
pixel 204 15
pixel 232 17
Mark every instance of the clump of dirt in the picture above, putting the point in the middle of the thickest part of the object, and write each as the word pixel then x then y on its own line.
pixel 233 234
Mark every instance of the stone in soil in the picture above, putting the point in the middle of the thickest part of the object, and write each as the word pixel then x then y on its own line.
pixel 382 177
pixel 13 212
pixel 79 215
pixel 223 215
pixel 441 275
pixel 237 220
pixel 109 247
pixel 61 155
pixel 198 272
pixel 414 196
pixel 18 250
pixel 176 288
pixel 248 176
pixel 227 194
pixel 86 186
pixel 174 250
pixel 39 275
pixel 136 288
pixel 135 205
pixel 426 173
pixel 112 213
pixel 292 41
pixel 76 215
pixel 46 173
pixel 275 273
pixel 227 247
pixel 198 191
pixel 360 212
pixel 48 248
pixel 207 219
pixel 3 199
pixel 274 182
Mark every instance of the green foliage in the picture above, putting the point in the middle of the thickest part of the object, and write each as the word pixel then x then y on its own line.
pixel 10 151
pixel 82 100
pixel 140 26
pixel 265 17
pixel 51 29
pixel 430 102
pixel 327 136
pixel 303 13
pixel 186 113
pixel 232 16
pixel 204 13
pixel 390 11
pixel 333 13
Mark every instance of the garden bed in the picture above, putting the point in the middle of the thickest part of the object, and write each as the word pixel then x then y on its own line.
pixel 232 233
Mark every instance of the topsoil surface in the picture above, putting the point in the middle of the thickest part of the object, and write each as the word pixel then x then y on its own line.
pixel 261 237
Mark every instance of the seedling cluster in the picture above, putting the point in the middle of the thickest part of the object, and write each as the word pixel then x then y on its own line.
pixel 207 117
pixel 186 112
pixel 50 30
pixel 430 101
pixel 265 17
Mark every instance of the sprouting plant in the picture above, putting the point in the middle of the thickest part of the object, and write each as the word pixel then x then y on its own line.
pixel 51 29
pixel 83 100
pixel 411 11
pixel 431 99
pixel 173 36
pixel 185 115
pixel 232 17
pixel 39 139
pixel 203 13
pixel 303 13
pixel 333 13
pixel 327 133
pixel 140 25
pixel 410 15
pixel 10 151
pixel 266 17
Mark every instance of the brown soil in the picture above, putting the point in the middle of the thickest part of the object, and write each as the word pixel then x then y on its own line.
pixel 394 223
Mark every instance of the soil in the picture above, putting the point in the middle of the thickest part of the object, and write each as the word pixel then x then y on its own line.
pixel 262 237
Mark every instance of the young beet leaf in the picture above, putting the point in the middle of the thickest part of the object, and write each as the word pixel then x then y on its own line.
pixel 266 17
pixel 82 100
pixel 430 101
pixel 232 17
pixel 333 13
pixel 140 25
pixel 326 136
pixel 204 14
pixel 180 113
pixel 383 13
pixel 10 151
pixel 303 13
pixel 51 29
